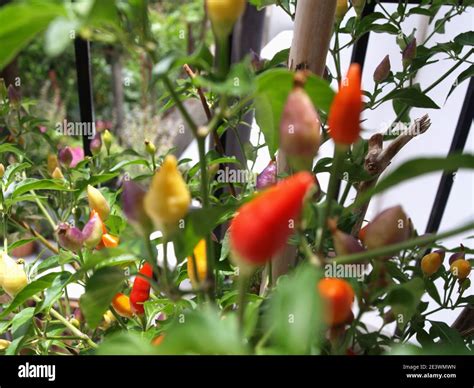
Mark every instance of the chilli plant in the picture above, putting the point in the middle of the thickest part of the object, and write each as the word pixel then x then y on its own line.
pixel 173 256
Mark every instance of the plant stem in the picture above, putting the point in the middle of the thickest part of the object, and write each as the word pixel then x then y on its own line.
pixel 434 84
pixel 345 193
pixel 44 211
pixel 394 248
pixel 165 264
pixel 223 58
pixel 192 125
pixel 201 140
pixel 73 329
pixel 243 283
pixel 332 188
pixel 205 205
pixel 5 231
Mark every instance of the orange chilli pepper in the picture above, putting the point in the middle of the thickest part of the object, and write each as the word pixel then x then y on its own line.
pixel 344 115
pixel 263 225
pixel 337 296
pixel 121 304
pixel 110 241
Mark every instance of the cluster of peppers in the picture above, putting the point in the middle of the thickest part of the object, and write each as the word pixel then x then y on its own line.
pixel 262 226
pixel 94 234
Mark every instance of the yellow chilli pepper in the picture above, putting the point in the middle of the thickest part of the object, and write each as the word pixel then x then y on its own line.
pixel 108 139
pixel 57 173
pixel 4 344
pixel 341 9
pixel 52 163
pixel 108 320
pixel 200 260
pixel 223 14
pixel 168 199
pixel 12 275
pixel 97 202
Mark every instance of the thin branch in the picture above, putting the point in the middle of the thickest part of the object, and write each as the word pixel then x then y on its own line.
pixel 378 159
pixel 207 110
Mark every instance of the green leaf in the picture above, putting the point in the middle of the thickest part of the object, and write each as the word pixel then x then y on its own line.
pixel 198 224
pixel 58 35
pixel 279 58
pixel 36 184
pixel 21 326
pixel 20 22
pixel 465 39
pixel 6 147
pixel 413 97
pixel 54 292
pixel 239 82
pixel 265 3
pixel 103 12
pixel 404 299
pixel 432 291
pixel 203 332
pixel 100 290
pixel 31 289
pixel 466 74
pixel 273 88
pixel 416 167
pixel 125 163
pixel 446 334
pixel 12 171
pixel 126 344
pixel 201 59
pixel 21 242
pixel 294 315
pixel 48 263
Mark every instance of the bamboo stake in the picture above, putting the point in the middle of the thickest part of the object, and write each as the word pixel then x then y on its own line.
pixel 313 27
pixel 312 33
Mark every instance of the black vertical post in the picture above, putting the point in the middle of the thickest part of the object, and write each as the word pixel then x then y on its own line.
pixel 84 88
pixel 359 53
pixel 247 37
pixel 457 145
pixel 360 47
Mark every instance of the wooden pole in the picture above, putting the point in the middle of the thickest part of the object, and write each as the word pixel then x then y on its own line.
pixel 313 27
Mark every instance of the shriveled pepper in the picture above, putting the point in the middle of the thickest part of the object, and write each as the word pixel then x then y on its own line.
pixel 300 127
pixel 122 306
pixel 262 226
pixel 199 275
pixel 344 115
pixel 141 289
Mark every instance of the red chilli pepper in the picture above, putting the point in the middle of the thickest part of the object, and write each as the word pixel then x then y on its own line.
pixel 344 115
pixel 141 289
pixel 263 225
